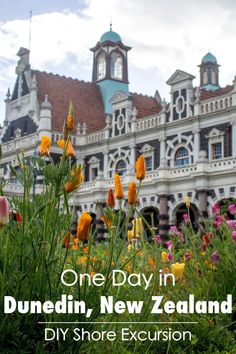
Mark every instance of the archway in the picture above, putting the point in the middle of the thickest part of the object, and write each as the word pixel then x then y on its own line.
pixel 151 216
pixel 193 213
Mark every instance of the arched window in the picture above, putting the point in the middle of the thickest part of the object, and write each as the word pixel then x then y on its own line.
pixel 101 67
pixel 213 77
pixel 121 167
pixel 116 66
pixel 205 77
pixel 182 157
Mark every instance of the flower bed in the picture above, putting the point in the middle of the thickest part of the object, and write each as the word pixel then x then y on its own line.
pixel 39 244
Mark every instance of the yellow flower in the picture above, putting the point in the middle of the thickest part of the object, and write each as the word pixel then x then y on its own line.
pixel 164 257
pixel 130 248
pixel 44 148
pixel 132 193
pixel 178 270
pixel 70 118
pixel 130 235
pixel 118 187
pixel 140 168
pixel 75 180
pixel 138 227
pixel 83 226
pixel 187 201
pixel 69 150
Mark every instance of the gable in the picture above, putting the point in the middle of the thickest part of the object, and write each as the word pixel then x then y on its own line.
pixel 179 76
pixel 119 96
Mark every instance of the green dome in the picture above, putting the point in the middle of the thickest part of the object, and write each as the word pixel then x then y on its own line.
pixel 110 36
pixel 209 58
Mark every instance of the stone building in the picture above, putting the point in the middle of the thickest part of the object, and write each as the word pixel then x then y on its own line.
pixel 189 143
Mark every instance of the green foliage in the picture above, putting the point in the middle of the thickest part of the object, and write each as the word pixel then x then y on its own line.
pixel 32 259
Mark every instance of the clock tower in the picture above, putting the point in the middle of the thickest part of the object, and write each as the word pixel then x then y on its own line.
pixel 110 66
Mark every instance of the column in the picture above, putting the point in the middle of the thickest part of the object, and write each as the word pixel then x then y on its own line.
pixel 162 151
pixel 132 154
pixel 202 197
pixel 163 216
pixel 233 138
pixel 105 164
pixel 196 133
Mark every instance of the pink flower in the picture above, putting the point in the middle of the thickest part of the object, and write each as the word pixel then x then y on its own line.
pixel 231 224
pixel 186 218
pixel 216 208
pixel 232 209
pixel 169 244
pixel 170 257
pixel 173 230
pixel 215 258
pixel 187 256
pixel 158 239
pixel 218 221
pixel 234 236
pixel 181 237
pixel 4 211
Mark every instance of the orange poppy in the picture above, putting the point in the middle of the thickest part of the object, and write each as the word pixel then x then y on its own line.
pixel 70 118
pixel 140 168
pixel 83 226
pixel 111 199
pixel 75 180
pixel 132 193
pixel 44 148
pixel 118 187
pixel 69 150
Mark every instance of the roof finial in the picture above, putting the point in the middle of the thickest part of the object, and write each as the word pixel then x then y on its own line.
pixel 30 21
pixel 110 22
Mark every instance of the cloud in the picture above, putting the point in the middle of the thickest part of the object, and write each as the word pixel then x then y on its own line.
pixel 164 36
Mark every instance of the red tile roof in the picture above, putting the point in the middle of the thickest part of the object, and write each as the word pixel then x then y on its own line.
pixel 86 98
pixel 205 95
pixel 145 105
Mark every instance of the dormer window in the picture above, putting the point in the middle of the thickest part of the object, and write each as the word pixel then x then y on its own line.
pixel 216 144
pixel 116 66
pixel 101 67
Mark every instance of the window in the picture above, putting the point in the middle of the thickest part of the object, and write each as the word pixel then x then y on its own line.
pixel 181 157
pixel 94 173
pixel 121 167
pixel 213 77
pixel 93 168
pixel 148 163
pixel 116 66
pixel 217 151
pixel 216 144
pixel 179 104
pixel 205 77
pixel 101 67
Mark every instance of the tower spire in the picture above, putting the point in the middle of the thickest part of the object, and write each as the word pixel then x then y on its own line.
pixel 110 22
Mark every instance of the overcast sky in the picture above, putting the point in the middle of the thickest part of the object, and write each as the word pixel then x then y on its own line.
pixel 164 36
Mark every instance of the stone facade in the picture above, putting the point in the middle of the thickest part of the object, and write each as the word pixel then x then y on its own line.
pixel 188 143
